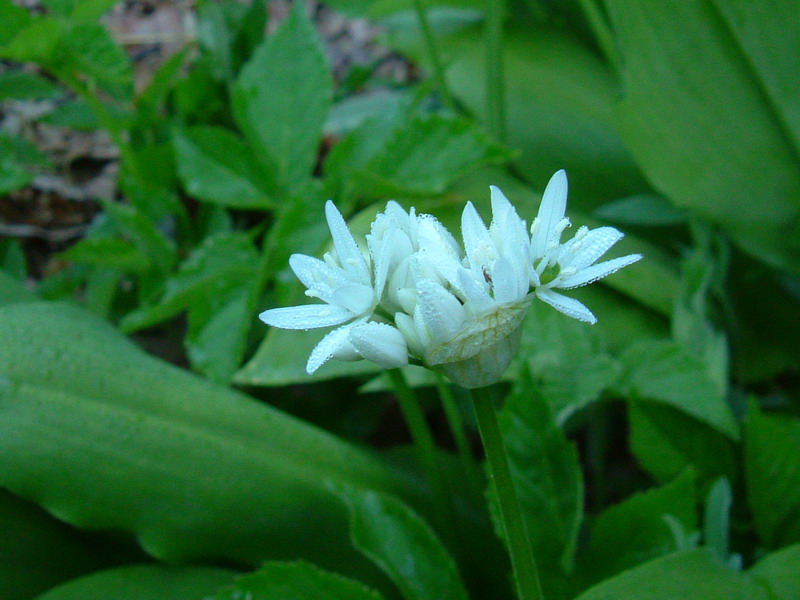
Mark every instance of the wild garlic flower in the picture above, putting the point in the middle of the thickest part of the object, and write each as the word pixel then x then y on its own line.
pixel 571 264
pixel 350 292
pixel 418 295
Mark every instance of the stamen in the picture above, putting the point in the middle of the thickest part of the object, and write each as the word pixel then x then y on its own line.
pixel 536 226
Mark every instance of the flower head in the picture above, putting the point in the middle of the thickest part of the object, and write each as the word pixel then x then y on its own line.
pixel 571 264
pixel 417 294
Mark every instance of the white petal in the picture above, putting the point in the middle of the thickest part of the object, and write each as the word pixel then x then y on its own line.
pixel 594 245
pixel 504 281
pixel 380 343
pixel 308 316
pixel 355 297
pixel 477 241
pixel 319 277
pixel 327 347
pixel 346 353
pixel 551 212
pixel 500 204
pixel 595 272
pixel 347 250
pixel 568 306
pixel 405 324
pixel 475 294
pixel 441 311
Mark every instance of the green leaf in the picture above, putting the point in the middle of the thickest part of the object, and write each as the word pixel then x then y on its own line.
pixel 635 530
pixel 772 464
pixel 695 114
pixel 216 166
pixel 143 234
pixel 716 521
pixel 403 545
pixel 112 253
pixel 13 19
pixel 36 41
pixel 691 574
pixel 665 372
pixel 642 209
pixel 12 259
pixel 549 483
pixel 37 551
pixel 228 31
pixel 86 412
pixel 667 441
pixel 222 262
pixel 23 85
pixel 281 99
pixel 282 581
pixel 89 49
pixel 559 104
pixel 425 156
pixel 778 572
pixel 143 582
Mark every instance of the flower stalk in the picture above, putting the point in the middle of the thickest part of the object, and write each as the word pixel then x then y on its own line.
pixel 523 563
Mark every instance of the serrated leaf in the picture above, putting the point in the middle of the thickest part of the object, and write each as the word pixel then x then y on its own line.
pixel 642 209
pixel 89 49
pixel 281 99
pixel 691 574
pixel 37 551
pixel 112 253
pixel 216 166
pixel 778 572
pixel 143 582
pixel 86 412
pixel 695 115
pixel 426 155
pixel 772 463
pixel 403 545
pixel 667 441
pixel 23 85
pixel 635 530
pixel 549 484
pixel 666 372
pixel 282 581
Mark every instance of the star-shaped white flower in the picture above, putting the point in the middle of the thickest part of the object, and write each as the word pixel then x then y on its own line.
pixel 350 291
pixel 571 264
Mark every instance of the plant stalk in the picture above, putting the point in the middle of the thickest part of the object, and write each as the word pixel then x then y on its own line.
pixel 433 54
pixel 456 423
pixel 523 563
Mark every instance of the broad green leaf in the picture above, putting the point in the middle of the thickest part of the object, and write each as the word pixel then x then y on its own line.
pixel 76 114
pixel 89 49
pixel 23 85
pixel 90 10
pixel 559 105
pixel 216 166
pixel 665 372
pixel 12 259
pixel 162 82
pixel 86 412
pixel 227 31
pixel 635 530
pixel 285 581
pixel 667 441
pixel 426 155
pixel 772 464
pixel 694 574
pixel 108 252
pixel 37 551
pixel 778 572
pixel 143 582
pixel 281 99
pixel 549 483
pixel 402 544
pixel 19 159
pixel 36 41
pixel 13 19
pixel 642 209
pixel 695 115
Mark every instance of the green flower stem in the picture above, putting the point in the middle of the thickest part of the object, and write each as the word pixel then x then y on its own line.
pixel 456 423
pixel 495 89
pixel 525 573
pixel 602 31
pixel 426 452
pixel 433 54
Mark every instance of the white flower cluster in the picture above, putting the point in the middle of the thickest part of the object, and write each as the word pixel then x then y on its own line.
pixel 417 295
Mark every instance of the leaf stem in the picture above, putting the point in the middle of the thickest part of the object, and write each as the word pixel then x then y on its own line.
pixel 426 451
pixel 433 54
pixel 523 563
pixel 495 89
pixel 456 423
